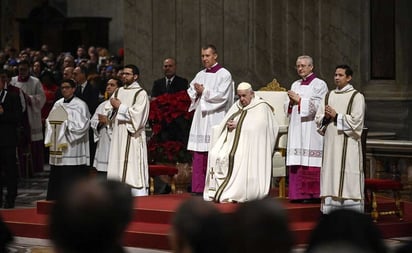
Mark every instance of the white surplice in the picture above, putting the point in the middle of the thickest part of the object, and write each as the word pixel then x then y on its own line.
pixel 240 161
pixel 342 176
pixel 73 134
pixel 128 151
pixel 305 145
pixel 103 137
pixel 34 101
pixel 210 107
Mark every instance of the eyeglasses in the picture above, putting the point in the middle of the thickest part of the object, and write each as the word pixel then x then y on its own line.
pixel 301 66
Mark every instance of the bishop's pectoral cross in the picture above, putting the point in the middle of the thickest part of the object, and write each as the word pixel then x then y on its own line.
pixel 212 173
pixel 212 182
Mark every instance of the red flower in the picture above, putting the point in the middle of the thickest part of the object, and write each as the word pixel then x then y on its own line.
pixel 165 110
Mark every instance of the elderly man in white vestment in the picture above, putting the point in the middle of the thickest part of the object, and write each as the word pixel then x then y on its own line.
pixel 240 161
pixel 129 108
pixel 69 143
pixel 340 118
pixel 304 147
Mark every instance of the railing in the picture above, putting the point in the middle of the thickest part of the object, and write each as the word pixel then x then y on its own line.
pixel 389 158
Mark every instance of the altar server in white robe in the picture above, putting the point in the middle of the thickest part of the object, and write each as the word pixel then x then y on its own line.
pixel 341 118
pixel 72 139
pixel 240 161
pixel 212 94
pixel 33 99
pixel 304 147
pixel 102 129
pixel 129 107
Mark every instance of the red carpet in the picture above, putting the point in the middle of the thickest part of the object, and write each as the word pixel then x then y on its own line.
pixel 153 214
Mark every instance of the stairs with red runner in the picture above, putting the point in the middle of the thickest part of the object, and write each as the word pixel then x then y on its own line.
pixel 152 215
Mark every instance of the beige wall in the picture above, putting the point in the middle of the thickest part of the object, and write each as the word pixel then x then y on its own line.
pixel 259 40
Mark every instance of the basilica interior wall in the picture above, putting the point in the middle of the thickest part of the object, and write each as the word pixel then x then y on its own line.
pixel 259 40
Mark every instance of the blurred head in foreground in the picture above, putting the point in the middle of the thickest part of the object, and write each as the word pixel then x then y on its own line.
pixel 91 216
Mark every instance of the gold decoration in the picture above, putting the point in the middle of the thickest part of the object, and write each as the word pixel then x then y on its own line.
pixel 273 86
pixel 183 178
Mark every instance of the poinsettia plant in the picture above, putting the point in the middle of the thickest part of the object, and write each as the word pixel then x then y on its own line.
pixel 170 122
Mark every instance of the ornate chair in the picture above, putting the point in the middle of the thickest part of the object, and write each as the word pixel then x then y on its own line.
pixel 159 170
pixel 276 96
pixel 375 185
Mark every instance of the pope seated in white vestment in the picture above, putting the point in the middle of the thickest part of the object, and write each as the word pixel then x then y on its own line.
pixel 240 160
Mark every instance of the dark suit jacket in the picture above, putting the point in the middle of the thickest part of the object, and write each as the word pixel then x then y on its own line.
pixel 10 120
pixel 90 96
pixel 58 95
pixel 178 84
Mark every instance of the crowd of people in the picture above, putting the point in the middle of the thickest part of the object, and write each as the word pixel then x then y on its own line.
pixel 90 111
pixel 78 104
pixel 41 80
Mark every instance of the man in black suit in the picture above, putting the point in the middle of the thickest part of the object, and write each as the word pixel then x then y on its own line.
pixel 10 119
pixel 86 91
pixel 170 83
pixel 90 95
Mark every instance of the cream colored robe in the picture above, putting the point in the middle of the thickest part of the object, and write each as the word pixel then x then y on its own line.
pixel 128 150
pixel 240 162
pixel 342 176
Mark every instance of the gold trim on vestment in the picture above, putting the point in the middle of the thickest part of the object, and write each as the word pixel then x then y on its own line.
pixel 129 136
pixel 231 156
pixel 56 122
pixel 345 146
pixel 56 152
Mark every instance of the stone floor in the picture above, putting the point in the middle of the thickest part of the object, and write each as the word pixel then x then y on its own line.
pixel 33 245
pixel 32 189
